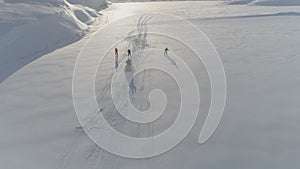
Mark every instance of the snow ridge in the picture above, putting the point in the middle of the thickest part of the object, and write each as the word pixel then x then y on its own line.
pixel 31 28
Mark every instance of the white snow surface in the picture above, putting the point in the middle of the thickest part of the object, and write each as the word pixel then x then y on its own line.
pixel 258 45
pixel 265 2
pixel 32 28
pixel 95 4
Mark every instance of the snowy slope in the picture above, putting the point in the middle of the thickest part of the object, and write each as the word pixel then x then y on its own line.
pixel 95 4
pixel 260 128
pixel 32 28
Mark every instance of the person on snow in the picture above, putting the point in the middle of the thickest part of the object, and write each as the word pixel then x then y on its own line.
pixel 129 52
pixel 128 66
pixel 116 51
pixel 166 51
pixel 116 57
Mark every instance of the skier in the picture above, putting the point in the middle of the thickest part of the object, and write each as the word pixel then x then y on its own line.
pixel 116 57
pixel 166 51
pixel 129 52
pixel 116 51
pixel 128 61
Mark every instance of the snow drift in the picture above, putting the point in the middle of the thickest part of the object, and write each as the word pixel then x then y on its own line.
pixel 32 28
pixel 265 2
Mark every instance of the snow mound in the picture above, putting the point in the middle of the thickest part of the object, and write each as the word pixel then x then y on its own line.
pixel 32 28
pixel 265 2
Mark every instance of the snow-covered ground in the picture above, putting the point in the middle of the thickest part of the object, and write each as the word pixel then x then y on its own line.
pixel 259 49
pixel 265 2
pixel 32 28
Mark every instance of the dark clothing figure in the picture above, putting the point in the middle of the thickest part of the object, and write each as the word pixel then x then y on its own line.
pixel 116 51
pixel 166 51
pixel 129 52
pixel 116 58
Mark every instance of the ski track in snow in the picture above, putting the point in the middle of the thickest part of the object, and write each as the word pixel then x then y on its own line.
pixel 96 155
pixel 67 154
pixel 134 44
